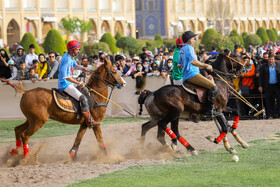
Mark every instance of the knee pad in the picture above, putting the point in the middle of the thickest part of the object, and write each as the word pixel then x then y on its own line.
pixel 84 103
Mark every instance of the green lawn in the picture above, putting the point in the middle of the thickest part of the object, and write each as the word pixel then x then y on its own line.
pixel 258 166
pixel 53 128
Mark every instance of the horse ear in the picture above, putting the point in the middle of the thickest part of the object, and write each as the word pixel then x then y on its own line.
pixel 107 62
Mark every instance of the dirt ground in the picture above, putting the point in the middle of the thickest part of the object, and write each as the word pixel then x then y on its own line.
pixel 49 163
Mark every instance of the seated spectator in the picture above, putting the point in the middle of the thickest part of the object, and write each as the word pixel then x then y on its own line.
pixel 120 62
pixel 135 60
pixel 5 71
pixel 138 75
pixel 18 57
pixel 13 69
pixel 32 75
pixel 22 73
pixel 101 60
pixel 43 67
pixel 146 66
pixel 30 57
pixel 126 66
pixel 54 64
pixel 155 71
pixel 167 68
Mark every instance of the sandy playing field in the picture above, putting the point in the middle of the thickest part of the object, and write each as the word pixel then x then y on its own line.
pixel 49 163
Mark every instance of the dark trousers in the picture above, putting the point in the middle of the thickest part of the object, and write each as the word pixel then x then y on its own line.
pixel 272 92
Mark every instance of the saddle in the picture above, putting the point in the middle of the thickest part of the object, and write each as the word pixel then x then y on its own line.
pixel 69 104
pixel 200 92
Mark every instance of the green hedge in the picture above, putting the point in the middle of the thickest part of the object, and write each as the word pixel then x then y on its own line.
pixel 169 43
pixel 262 34
pixel 252 39
pixel 271 35
pixel 118 35
pixel 151 44
pixel 54 42
pixel 234 33
pixel 158 38
pixel 221 42
pixel 28 39
pixel 92 49
pixel 208 35
pixel 128 44
pixel 111 41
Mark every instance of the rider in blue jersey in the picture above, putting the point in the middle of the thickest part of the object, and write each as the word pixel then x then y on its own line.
pixel 68 84
pixel 191 73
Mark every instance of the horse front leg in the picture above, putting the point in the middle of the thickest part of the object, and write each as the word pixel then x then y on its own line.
pixel 74 150
pixel 235 135
pixel 144 129
pixel 98 134
pixel 174 128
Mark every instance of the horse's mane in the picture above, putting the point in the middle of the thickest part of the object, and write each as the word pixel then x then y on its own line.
pixel 97 71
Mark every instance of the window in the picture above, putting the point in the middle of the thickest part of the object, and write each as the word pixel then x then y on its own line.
pixel 190 6
pixel 151 5
pixel 29 5
pixel 233 7
pixel 199 6
pixel 46 5
pixel 91 5
pixel 77 6
pixel 257 8
pixel 62 5
pixel 117 5
pixel 138 5
pixel 128 6
pixel 104 5
pixel 180 5
pixel 249 7
pixel 241 7
pixel 12 4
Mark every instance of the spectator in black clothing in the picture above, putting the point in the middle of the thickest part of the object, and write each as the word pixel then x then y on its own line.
pixel 139 75
pixel 5 71
pixel 269 82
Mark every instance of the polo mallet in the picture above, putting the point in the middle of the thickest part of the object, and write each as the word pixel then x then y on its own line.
pixel 252 110
pixel 133 115
pixel 264 114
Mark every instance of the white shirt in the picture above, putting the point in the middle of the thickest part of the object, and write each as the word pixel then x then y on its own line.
pixel 29 58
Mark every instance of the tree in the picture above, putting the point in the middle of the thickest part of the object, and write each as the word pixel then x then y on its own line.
pixel 84 27
pixel 70 25
pixel 28 39
pixel 54 42
pixel 221 42
pixel 111 41
pixel 271 35
pixel 252 39
pixel 128 44
pixel 93 49
pixel 158 38
pixel 262 34
pixel 207 36
pixel 118 35
pixel 234 33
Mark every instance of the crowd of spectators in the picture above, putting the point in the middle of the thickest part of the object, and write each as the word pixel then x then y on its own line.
pixel 263 78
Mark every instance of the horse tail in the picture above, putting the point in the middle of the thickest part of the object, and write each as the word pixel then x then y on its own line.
pixel 141 99
pixel 19 90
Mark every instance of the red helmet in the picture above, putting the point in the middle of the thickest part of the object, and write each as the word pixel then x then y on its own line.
pixel 73 44
pixel 179 41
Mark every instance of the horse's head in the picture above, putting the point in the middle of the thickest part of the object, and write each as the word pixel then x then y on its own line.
pixel 108 75
pixel 231 64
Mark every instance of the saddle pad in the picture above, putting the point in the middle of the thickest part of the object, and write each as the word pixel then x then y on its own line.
pixel 200 92
pixel 66 103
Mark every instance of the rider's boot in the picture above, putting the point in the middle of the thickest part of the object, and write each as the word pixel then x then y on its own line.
pixel 88 119
pixel 86 113
pixel 211 95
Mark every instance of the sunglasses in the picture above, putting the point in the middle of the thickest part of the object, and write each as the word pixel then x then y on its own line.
pixel 51 56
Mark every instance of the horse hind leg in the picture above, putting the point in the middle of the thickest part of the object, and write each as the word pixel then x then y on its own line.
pixel 98 134
pixel 33 127
pixel 144 129
pixel 18 131
pixel 74 150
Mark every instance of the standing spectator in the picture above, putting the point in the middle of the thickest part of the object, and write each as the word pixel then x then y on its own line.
pixel 18 57
pixel 5 71
pixel 269 81
pixel 13 69
pixel 139 75
pixel 53 63
pixel 127 65
pixel 43 67
pixel 101 59
pixel 22 73
pixel 214 51
pixel 177 73
pixel 135 60
pixel 167 68
pixel 30 57
pixel 155 71
pixel 277 56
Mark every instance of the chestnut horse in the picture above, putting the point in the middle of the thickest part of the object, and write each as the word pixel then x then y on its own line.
pixel 169 102
pixel 38 105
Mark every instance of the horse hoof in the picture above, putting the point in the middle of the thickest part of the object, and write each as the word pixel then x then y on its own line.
pixel 232 151
pixel 73 154
pixel 13 152
pixel 173 146
pixel 210 138
pixel 194 153
pixel 244 145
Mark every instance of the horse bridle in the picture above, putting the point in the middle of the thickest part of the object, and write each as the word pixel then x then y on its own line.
pixel 236 61
pixel 109 83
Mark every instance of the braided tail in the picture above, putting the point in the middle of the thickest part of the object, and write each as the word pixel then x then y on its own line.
pixel 141 99
pixel 19 90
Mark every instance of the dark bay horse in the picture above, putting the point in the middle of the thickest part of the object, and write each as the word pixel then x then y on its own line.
pixel 169 102
pixel 38 106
